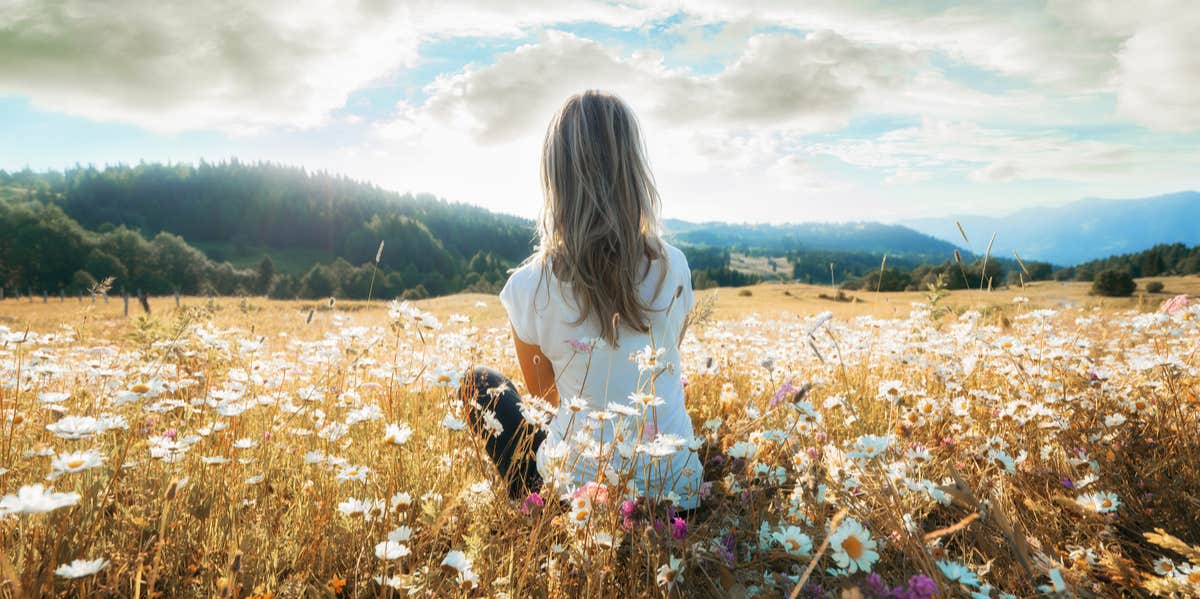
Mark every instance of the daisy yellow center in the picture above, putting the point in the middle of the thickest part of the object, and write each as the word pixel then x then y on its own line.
pixel 793 544
pixel 444 378
pixel 581 515
pixel 927 408
pixel 75 463
pixel 853 547
pixel 140 388
pixel 1107 503
pixel 1194 577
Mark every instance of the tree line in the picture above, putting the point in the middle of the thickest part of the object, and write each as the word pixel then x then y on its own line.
pixel 1167 259
pixel 144 225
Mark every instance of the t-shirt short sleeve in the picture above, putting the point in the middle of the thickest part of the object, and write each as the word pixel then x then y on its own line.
pixel 687 298
pixel 517 298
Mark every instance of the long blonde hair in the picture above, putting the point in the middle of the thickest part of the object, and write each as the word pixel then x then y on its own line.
pixel 601 213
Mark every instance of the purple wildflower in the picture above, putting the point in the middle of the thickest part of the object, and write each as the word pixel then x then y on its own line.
pixel 726 551
pixel 782 393
pixel 679 529
pixel 875 587
pixel 921 586
pixel 531 503
pixel 629 515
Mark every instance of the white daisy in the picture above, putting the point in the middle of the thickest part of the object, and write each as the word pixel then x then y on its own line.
pixel 645 400
pixel 794 541
pixel 669 575
pixel 853 548
pixel 1101 502
pixel 75 427
pixel 956 572
pixel 492 424
pixel 36 499
pixel 80 568
pixel 354 473
pixel 397 434
pixel 78 461
pixel 389 550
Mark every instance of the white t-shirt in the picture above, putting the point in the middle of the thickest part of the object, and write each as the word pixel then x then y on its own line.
pixel 595 383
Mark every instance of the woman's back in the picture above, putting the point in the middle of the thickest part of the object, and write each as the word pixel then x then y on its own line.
pixel 622 406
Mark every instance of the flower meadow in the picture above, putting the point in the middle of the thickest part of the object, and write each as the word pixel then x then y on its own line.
pixel 279 450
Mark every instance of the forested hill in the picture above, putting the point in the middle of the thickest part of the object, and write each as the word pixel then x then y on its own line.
pixel 244 212
pixel 280 207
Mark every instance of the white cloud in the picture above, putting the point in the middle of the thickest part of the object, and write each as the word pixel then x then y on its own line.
pixel 990 155
pixel 173 65
pixel 518 93
pixel 1146 52
pixel 223 64
pixel 234 65
pixel 1158 82
pixel 906 176
pixel 813 82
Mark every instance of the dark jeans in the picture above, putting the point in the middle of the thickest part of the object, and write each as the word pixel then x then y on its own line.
pixel 514 451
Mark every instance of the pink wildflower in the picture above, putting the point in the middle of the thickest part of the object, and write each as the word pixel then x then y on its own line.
pixel 1175 304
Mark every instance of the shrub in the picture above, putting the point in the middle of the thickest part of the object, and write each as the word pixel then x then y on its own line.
pixel 886 280
pixel 1154 287
pixel 1113 283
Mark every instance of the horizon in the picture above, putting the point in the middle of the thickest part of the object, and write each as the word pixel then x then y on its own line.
pixel 846 221
pixel 837 113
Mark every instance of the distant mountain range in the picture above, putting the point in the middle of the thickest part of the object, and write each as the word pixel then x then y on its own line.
pixel 858 237
pixel 1080 231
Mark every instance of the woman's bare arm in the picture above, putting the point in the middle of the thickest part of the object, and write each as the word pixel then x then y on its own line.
pixel 537 369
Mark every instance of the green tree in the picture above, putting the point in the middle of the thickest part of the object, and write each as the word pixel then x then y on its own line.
pixel 1114 283
pixel 318 283
pixel 265 275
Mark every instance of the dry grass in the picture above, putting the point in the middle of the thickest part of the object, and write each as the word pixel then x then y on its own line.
pixel 1016 407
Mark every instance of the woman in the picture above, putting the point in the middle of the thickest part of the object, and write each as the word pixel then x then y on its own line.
pixel 597 315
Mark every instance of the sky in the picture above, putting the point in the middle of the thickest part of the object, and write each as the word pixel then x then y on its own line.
pixel 753 111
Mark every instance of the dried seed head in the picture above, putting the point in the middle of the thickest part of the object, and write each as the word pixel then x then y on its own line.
pixel 172 488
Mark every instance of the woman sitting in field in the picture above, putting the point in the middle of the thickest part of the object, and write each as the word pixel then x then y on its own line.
pixel 597 314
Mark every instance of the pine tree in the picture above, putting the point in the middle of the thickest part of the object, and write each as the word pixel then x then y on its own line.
pixel 266 274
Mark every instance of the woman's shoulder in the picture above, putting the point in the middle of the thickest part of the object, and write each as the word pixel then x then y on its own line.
pixel 676 259
pixel 526 276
